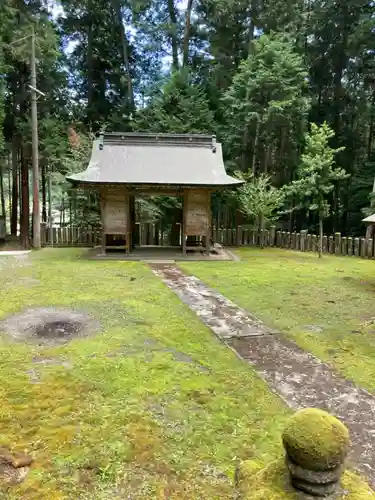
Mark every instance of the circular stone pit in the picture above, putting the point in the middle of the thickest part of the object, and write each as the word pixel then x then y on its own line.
pixel 49 326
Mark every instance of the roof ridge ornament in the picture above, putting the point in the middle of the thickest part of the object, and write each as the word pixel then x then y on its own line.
pixel 214 143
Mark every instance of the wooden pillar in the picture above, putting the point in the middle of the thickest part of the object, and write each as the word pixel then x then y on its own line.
pixel 103 235
pixel 370 231
pixel 184 219
pixel 209 225
pixel 132 227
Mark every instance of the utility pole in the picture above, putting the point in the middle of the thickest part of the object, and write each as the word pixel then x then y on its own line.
pixel 34 137
pixel 50 208
pixel 35 145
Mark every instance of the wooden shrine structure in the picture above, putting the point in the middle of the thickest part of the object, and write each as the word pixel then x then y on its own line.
pixel 126 165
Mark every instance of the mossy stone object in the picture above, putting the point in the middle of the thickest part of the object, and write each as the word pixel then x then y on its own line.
pixel 316 440
pixel 272 483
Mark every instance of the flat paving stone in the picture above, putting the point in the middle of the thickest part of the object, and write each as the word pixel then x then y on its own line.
pixel 13 253
pixel 224 318
pixel 299 378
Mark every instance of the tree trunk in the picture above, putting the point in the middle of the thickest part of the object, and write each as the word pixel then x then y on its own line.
pixel 15 188
pixel 253 16
pixel 173 33
pixel 320 245
pixel 256 140
pixel 267 158
pixel 187 33
pixel 338 72
pixel 261 226
pixel 15 177
pixel 10 184
pixel 25 190
pixel 2 190
pixel 25 205
pixel 44 193
pixel 125 51
pixel 371 128
pixel 50 224
pixel 90 65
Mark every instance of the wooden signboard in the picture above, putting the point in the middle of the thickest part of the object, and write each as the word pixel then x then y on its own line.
pixel 115 211
pixel 197 212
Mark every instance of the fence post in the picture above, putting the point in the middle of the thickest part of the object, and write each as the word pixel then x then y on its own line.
pixel 261 238
pixel 266 240
pixel 370 248
pixel 289 237
pixel 325 244
pixel 219 238
pixel 331 244
pixel 314 243
pixel 344 246
pixel 239 236
pixel 350 246
pixel 285 239
pixel 298 241
pixel 246 237
pixel 293 241
pixel 303 240
pixel 272 236
pixel 363 247
pixel 43 234
pixel 337 243
pixel 278 238
pixel 356 247
pixel 308 243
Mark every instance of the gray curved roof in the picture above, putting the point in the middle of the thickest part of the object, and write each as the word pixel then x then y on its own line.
pixel 164 159
pixel 370 218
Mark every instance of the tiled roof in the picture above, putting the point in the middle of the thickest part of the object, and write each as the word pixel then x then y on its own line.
pixel 156 159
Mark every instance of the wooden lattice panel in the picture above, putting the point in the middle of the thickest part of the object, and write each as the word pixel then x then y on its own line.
pixel 197 212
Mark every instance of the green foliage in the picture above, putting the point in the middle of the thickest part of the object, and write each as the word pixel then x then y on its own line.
pixel 317 174
pixel 316 440
pixel 266 102
pixel 258 199
pixel 257 92
pixel 181 107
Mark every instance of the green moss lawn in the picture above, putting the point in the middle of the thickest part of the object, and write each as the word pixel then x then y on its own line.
pixel 327 305
pixel 153 406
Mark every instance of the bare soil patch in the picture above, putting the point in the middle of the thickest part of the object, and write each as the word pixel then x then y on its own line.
pixel 49 326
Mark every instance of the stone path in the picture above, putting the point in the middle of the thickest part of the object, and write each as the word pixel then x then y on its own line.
pixel 11 259
pixel 300 379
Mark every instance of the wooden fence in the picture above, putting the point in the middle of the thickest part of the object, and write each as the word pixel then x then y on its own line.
pixel 303 241
pixel 151 234
pixel 72 236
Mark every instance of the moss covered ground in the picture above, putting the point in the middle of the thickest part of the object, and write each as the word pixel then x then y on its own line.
pixel 152 407
pixel 325 305
pixel 271 482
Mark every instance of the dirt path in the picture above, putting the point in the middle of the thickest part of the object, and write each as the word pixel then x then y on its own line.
pixel 299 378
